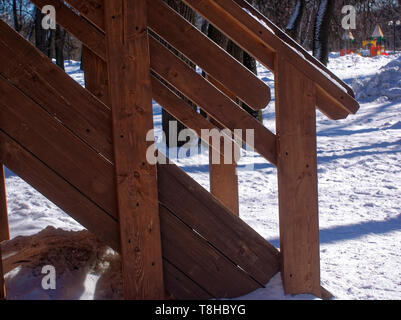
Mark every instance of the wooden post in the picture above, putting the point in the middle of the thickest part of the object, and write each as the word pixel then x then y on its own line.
pixel 297 180
pixel 96 79
pixel 131 102
pixel 223 177
pixel 4 229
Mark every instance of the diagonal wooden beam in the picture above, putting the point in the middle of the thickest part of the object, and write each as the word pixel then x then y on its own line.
pixel 264 45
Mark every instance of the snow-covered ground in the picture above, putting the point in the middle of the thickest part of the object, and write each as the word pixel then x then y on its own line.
pixel 360 192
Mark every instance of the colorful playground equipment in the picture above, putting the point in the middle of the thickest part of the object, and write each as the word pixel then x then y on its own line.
pixel 376 45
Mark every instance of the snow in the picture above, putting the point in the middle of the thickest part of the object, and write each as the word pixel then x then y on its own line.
pixel 359 195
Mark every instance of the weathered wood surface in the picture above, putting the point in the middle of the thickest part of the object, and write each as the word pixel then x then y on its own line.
pixel 247 245
pixel 4 229
pixel 207 55
pixel 128 65
pixel 264 45
pixel 221 108
pixel 77 26
pixel 251 35
pixel 297 181
pixel 59 190
pixel 29 124
pixel 224 182
pixel 2 282
pixel 287 39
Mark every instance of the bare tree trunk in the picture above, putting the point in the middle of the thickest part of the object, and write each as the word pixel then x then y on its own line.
pixel 17 25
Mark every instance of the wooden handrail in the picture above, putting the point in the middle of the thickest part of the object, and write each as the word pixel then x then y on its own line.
pixel 216 62
pixel 264 45
pixel 226 112
pixel 291 42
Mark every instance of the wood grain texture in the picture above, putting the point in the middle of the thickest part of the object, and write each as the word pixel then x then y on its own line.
pixel 219 270
pixel 77 26
pixel 297 181
pixel 221 108
pixel 57 189
pixel 228 233
pixel 224 182
pixel 28 123
pixel 4 228
pixel 264 45
pixel 182 35
pixel 207 55
pixel 35 75
pixel 96 78
pixel 132 118
pixel 2 283
pixel 92 10
pixel 287 39
pixel 179 282
pixel 180 286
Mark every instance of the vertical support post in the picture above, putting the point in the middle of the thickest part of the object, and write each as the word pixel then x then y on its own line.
pixel 131 102
pixel 96 80
pixel 4 229
pixel 297 180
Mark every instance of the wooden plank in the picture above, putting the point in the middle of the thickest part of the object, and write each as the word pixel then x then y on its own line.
pixel 102 225
pixel 131 101
pixel 292 43
pixel 203 257
pixel 96 78
pixel 255 39
pixel 297 181
pixel 58 147
pixel 36 75
pixel 211 100
pixel 77 26
pixel 260 42
pixel 58 190
pixel 168 24
pixel 183 112
pixel 207 55
pixel 4 228
pixel 225 231
pixel 93 10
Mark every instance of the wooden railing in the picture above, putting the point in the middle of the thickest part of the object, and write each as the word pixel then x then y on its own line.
pixel 118 47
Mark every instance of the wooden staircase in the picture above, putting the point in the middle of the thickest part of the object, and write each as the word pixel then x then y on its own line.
pixel 59 137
